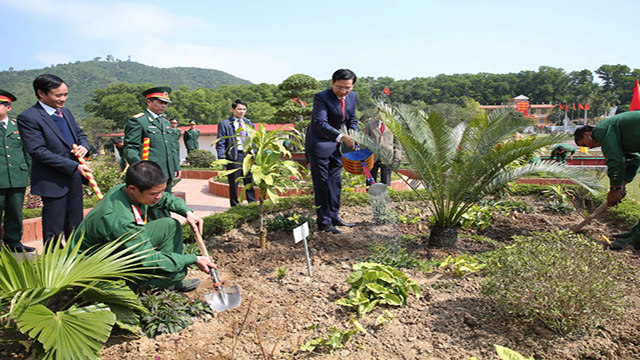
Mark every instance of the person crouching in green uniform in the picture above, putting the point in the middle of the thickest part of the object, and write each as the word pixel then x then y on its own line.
pixel 190 137
pixel 618 136
pixel 560 153
pixel 123 213
pixel 15 166
pixel 153 125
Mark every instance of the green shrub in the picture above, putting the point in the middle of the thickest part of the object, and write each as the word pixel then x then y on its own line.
pixel 286 222
pixel 200 158
pixel 374 284
pixel 170 312
pixel 107 174
pixel 478 216
pixel 534 189
pixel 391 252
pixel 561 279
pixel 627 211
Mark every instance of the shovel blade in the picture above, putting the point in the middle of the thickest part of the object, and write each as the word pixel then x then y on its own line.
pixel 224 299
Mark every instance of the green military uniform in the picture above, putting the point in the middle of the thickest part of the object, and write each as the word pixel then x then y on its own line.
pixel 176 144
pixel 191 139
pixel 114 217
pixel 561 157
pixel 618 138
pixel 161 145
pixel 15 165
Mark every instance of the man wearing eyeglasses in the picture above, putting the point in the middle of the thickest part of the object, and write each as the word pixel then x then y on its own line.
pixel 618 137
pixel 333 109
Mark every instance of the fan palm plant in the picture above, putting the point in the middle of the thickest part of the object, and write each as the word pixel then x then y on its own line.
pixel 269 171
pixel 461 165
pixel 99 298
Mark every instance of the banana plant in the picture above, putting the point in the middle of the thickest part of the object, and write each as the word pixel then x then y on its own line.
pixel 268 166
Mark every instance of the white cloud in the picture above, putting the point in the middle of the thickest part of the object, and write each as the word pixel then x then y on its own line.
pixel 150 34
pixel 253 66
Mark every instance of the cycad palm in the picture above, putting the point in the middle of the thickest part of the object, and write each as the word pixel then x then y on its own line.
pixel 459 166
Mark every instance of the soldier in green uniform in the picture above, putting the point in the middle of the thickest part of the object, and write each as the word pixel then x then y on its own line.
pixel 560 153
pixel 119 144
pixel 123 213
pixel 152 124
pixel 618 136
pixel 15 165
pixel 191 137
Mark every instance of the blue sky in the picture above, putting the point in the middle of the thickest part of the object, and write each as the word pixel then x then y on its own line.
pixel 267 41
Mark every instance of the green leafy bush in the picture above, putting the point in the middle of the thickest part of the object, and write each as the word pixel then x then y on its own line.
pixel 373 284
pixel 200 158
pixel 170 312
pixel 391 252
pixel 561 279
pixel 107 174
pixel 330 342
pixel 478 216
pixel 627 211
pixel 286 222
pixel 462 265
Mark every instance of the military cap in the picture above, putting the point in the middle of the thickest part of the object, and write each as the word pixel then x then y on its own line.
pixel 6 96
pixel 192 122
pixel 174 120
pixel 159 92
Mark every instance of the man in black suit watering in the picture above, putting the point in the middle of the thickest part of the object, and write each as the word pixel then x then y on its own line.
pixel 49 132
pixel 333 109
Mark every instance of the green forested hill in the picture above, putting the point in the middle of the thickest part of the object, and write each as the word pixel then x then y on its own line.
pixel 83 77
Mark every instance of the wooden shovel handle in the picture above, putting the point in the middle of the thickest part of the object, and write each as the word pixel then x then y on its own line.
pixel 204 252
pixel 584 222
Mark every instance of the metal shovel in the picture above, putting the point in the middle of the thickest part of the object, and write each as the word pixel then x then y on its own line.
pixel 221 299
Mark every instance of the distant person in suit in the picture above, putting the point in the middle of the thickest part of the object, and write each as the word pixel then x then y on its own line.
pixel 333 109
pixel 14 177
pixel 377 130
pixel 152 124
pixel 119 145
pixel 48 132
pixel 191 136
pixel 229 146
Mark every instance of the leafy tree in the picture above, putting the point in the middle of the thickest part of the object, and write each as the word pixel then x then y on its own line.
pixel 296 94
pixel 94 127
pixel 118 102
pixel 270 173
pixel 459 166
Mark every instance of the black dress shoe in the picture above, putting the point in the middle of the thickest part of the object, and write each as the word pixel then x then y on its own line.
pixel 329 228
pixel 342 223
pixel 21 248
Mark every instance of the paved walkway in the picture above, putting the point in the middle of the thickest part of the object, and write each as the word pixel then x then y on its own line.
pixel 199 199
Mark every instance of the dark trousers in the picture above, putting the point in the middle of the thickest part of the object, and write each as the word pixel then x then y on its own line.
pixel 233 184
pixel 327 185
pixel 62 214
pixel 385 173
pixel 11 201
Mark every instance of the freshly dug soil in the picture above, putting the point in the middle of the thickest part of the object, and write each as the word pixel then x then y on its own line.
pixel 451 320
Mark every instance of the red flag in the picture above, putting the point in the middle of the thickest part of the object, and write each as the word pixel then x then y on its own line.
pixel 574 106
pixel 580 106
pixel 386 91
pixel 635 102
pixel 586 106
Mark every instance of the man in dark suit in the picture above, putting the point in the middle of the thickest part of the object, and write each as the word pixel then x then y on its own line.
pixel 14 177
pixel 333 109
pixel 229 147
pixel 49 131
